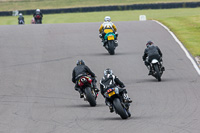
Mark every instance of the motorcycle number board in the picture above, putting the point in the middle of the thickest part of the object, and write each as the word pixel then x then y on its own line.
pixel 111 93
pixel 110 37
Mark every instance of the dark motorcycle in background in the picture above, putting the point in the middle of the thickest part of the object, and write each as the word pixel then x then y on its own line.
pixel 120 107
pixel 157 69
pixel 21 22
pixel 85 83
pixel 109 42
pixel 38 19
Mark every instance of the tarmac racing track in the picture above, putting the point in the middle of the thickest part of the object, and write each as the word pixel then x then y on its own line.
pixel 37 95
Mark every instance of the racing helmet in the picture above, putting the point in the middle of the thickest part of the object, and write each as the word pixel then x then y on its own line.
pixel 107 19
pixel 108 71
pixel 37 10
pixel 149 43
pixel 80 62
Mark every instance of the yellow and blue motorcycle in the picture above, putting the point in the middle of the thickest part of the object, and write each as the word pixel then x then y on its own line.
pixel 110 42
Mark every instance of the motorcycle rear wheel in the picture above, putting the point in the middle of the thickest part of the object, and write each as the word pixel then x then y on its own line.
pixel 158 76
pixel 119 109
pixel 111 47
pixel 90 97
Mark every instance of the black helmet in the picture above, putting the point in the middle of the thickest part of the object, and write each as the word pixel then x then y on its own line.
pixel 80 62
pixel 149 43
pixel 108 71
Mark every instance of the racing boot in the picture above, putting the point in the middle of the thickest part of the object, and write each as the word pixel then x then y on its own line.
pixel 150 70
pixel 94 81
pixel 79 90
pixel 111 109
pixel 110 106
pixel 126 98
pixel 116 43
pixel 95 88
pixel 81 95
pixel 103 42
pixel 162 68
pixel 100 36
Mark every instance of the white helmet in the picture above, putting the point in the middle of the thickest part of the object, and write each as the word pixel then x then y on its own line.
pixel 20 14
pixel 37 10
pixel 108 71
pixel 107 18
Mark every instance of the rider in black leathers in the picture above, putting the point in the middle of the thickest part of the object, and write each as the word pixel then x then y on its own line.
pixel 38 12
pixel 105 84
pixel 82 70
pixel 21 18
pixel 151 52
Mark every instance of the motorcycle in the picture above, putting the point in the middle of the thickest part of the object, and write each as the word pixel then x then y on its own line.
pixel 157 69
pixel 85 83
pixel 20 22
pixel 120 107
pixel 109 43
pixel 38 19
pixel 33 20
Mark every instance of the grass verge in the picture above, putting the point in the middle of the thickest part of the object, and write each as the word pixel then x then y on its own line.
pixel 10 5
pixel 184 22
pixel 187 29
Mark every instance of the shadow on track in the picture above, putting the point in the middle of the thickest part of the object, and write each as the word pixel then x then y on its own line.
pixel 83 106
pixel 117 118
pixel 116 54
pixel 155 80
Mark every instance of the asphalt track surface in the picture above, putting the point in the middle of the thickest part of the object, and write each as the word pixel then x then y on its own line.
pixel 37 95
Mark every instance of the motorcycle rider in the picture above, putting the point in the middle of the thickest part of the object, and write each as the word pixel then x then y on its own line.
pixel 33 20
pixel 152 52
pixel 110 80
pixel 82 70
pixel 38 12
pixel 106 27
pixel 21 18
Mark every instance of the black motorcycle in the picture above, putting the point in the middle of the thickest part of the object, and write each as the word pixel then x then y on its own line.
pixel 120 107
pixel 38 19
pixel 20 22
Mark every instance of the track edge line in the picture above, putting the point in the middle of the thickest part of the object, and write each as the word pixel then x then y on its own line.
pixel 182 46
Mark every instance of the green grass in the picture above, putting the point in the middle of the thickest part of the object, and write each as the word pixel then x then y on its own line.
pixel 10 5
pixel 185 23
pixel 187 29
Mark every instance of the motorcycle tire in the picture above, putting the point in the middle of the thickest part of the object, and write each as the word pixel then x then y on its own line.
pixel 158 76
pixel 38 22
pixel 90 97
pixel 119 109
pixel 111 47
